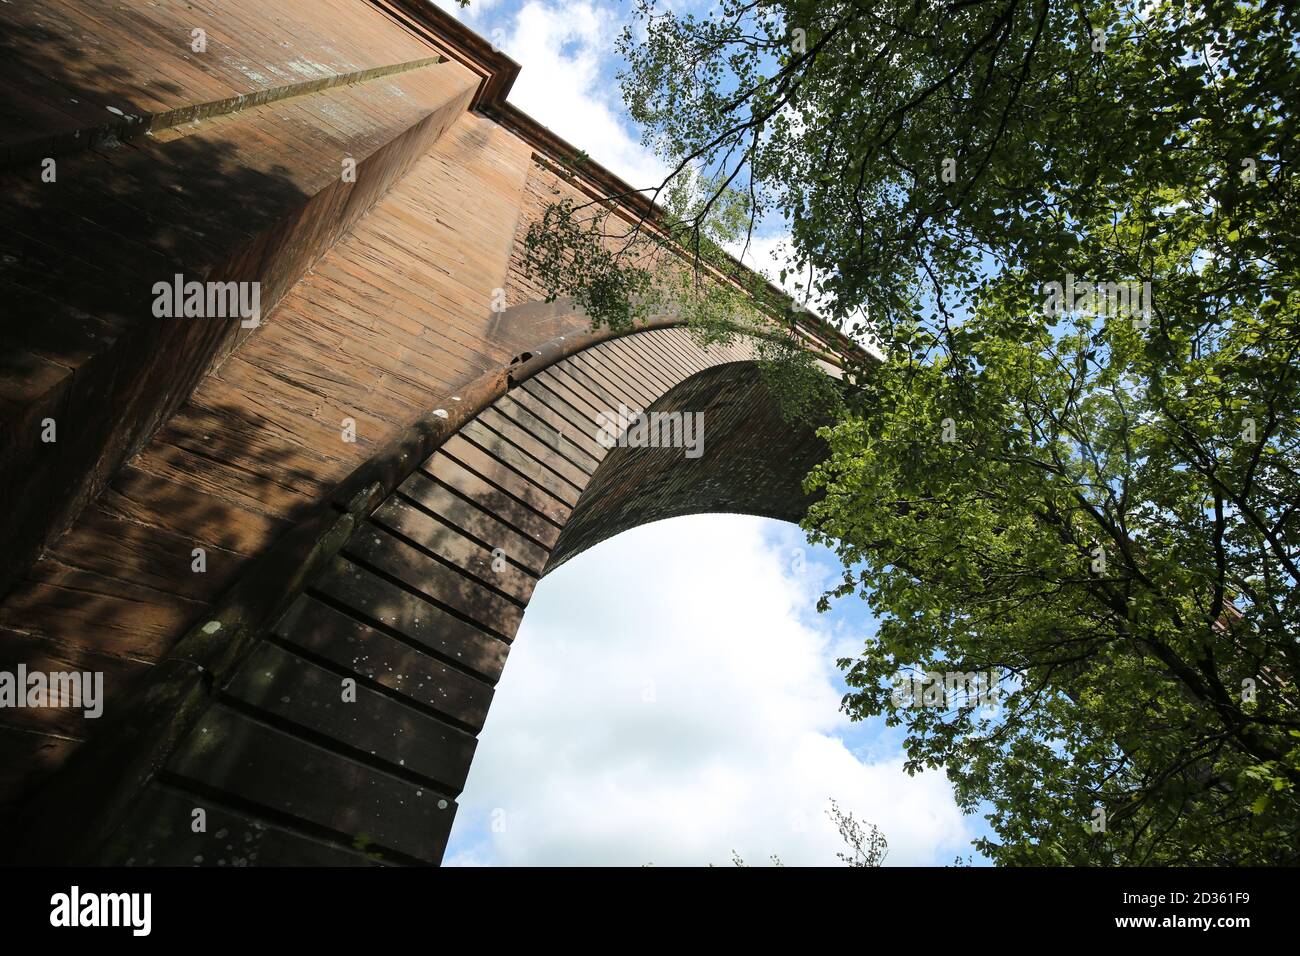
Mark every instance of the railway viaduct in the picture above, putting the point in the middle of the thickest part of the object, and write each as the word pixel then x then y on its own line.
pixel 299 544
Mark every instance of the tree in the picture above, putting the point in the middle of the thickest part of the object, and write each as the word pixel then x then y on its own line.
pixel 866 844
pixel 1071 226
pixel 1100 529
pixel 912 146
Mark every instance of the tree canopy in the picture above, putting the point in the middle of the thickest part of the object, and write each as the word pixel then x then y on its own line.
pixel 1071 227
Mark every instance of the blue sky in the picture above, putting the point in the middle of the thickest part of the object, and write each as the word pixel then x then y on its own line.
pixel 672 694
pixel 569 83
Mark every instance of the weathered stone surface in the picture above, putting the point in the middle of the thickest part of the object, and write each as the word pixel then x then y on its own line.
pixel 288 546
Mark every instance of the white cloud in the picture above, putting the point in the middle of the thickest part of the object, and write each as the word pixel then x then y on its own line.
pixel 767 254
pixel 566 81
pixel 667 701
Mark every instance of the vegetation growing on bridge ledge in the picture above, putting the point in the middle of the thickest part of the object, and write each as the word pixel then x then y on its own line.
pixel 1095 495
pixel 622 271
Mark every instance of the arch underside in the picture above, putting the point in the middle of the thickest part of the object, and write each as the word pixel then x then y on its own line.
pixel 415 617
pixel 751 462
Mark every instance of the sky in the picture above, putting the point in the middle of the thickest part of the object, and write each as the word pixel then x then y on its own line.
pixel 672 695
pixel 568 83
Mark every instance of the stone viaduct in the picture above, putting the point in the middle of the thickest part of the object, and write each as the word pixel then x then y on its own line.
pixel 298 550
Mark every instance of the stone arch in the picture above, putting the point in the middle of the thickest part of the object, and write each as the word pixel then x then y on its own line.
pixel 260 451
pixel 346 735
pixel 752 462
